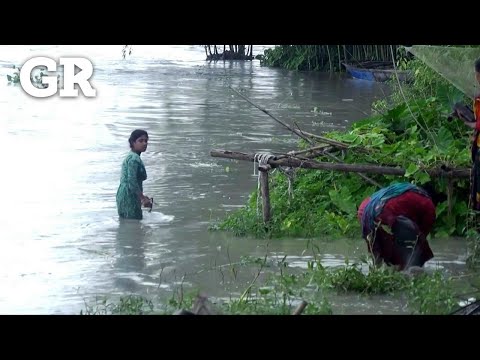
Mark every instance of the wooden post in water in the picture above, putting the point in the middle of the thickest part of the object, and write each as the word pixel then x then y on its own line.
pixel 263 169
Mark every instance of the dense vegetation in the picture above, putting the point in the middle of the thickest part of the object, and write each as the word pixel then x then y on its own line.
pixel 325 57
pixel 409 130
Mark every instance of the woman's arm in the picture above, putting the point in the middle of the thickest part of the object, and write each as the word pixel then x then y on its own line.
pixel 132 180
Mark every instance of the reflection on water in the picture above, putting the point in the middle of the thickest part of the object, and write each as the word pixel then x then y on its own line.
pixel 130 260
pixel 61 238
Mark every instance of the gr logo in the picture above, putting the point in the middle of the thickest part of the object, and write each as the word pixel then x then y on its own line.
pixel 47 85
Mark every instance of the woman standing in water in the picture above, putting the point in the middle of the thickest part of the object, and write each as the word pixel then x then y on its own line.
pixel 130 197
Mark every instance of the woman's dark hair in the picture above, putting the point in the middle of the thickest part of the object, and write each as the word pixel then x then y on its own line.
pixel 135 135
pixel 436 197
pixel 477 65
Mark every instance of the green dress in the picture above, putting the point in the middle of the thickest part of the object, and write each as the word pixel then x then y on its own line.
pixel 133 174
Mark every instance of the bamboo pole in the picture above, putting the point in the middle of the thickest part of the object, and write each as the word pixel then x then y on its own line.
pixel 299 309
pixel 300 133
pixel 273 117
pixel 366 178
pixel 356 168
pixel 313 150
pixel 264 190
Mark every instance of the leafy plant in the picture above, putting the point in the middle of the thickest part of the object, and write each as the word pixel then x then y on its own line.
pixel 415 137
pixel 431 295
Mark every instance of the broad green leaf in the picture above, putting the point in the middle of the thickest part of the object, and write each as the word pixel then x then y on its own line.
pixel 342 200
pixel 444 138
pixel 422 178
pixel 411 169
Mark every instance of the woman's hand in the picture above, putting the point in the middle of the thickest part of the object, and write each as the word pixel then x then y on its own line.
pixel 146 201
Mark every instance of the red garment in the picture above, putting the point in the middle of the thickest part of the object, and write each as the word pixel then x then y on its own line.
pixel 476 111
pixel 418 208
pixel 475 177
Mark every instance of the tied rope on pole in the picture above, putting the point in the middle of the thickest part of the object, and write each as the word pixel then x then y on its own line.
pixel 262 159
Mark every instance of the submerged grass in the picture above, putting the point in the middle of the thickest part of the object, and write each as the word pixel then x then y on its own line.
pixel 284 287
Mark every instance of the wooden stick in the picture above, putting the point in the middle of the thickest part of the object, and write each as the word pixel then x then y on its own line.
pixel 312 149
pixel 326 153
pixel 371 181
pixel 265 194
pixel 335 143
pixel 273 117
pixel 299 132
pixel 359 168
pixel 300 308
